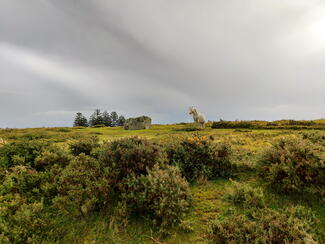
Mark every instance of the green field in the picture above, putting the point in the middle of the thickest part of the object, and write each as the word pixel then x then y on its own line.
pixel 209 202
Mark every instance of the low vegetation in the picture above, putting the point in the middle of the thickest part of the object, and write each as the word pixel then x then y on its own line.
pixel 292 225
pixel 280 124
pixel 199 157
pixel 168 184
pixel 293 164
pixel 245 196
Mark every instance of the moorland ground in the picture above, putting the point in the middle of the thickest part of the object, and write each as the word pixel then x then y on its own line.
pixel 209 196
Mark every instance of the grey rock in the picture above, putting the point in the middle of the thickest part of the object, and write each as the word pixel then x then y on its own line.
pixel 138 123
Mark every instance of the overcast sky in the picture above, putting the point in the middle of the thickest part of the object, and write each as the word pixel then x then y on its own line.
pixel 234 59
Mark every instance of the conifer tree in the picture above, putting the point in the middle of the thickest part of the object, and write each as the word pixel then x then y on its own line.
pixel 80 120
pixel 107 120
pixel 96 118
pixel 114 117
pixel 121 121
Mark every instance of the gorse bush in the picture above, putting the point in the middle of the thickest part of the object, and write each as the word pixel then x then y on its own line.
pixel 22 221
pixel 84 145
pixel 83 186
pixel 129 156
pixel 22 211
pixel 197 156
pixel 143 183
pixel 293 164
pixel 292 225
pixel 118 178
pixel 21 152
pixel 51 156
pixel 246 196
pixel 315 137
pixel 162 194
pixel 21 180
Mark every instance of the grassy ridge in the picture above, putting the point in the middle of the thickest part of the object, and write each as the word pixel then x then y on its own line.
pixel 208 196
pixel 274 125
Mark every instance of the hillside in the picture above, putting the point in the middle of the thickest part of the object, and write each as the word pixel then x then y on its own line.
pixel 216 198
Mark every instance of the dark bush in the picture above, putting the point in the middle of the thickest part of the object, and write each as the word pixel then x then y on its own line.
pixel 98 126
pixel 258 124
pixel 235 125
pixel 130 156
pixel 301 122
pixel 293 225
pixel 21 152
pixel 162 194
pixel 83 186
pixel 189 129
pixel 63 129
pixel 293 164
pixel 197 157
pixel 85 145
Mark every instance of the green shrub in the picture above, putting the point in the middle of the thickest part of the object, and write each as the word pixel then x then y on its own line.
pixel 52 156
pixel 293 164
pixel 22 221
pixel 246 196
pixel 23 217
pixel 163 195
pixel 301 122
pixel 197 157
pixel 315 137
pixel 29 183
pixel 130 156
pixel 21 180
pixel 49 182
pixel 85 145
pixel 21 152
pixel 83 186
pixel 267 226
pixel 234 125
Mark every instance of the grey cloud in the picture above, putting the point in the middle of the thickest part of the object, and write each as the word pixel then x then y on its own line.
pixel 233 59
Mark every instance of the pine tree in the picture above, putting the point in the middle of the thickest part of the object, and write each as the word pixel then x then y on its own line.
pixel 114 118
pixel 107 120
pixel 96 118
pixel 80 120
pixel 121 121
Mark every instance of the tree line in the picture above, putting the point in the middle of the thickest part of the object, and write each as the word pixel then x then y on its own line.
pixel 99 118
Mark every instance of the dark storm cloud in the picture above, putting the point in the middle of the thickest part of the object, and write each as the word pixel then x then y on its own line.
pixel 233 59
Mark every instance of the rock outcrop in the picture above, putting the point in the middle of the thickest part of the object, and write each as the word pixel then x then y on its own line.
pixel 139 123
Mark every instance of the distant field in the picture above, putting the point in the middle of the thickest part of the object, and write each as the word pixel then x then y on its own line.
pixel 156 132
pixel 208 197
pixel 274 125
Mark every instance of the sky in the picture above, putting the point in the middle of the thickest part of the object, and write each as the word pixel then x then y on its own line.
pixel 234 59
